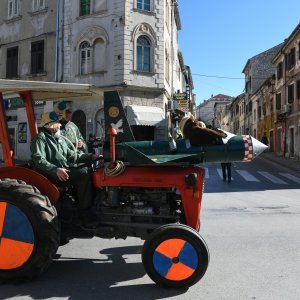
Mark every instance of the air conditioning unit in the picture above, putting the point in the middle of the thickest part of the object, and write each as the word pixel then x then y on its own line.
pixel 287 108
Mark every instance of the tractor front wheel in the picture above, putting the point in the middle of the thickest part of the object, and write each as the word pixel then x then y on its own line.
pixel 29 231
pixel 175 255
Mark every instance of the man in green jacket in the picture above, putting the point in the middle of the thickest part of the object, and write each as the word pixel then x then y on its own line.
pixel 69 129
pixel 52 157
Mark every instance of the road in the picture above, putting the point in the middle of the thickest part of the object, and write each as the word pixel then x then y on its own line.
pixel 251 226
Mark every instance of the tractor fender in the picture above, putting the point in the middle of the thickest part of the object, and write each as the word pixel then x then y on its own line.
pixel 34 178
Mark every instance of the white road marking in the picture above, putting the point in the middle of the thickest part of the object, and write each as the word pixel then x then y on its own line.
pixel 290 177
pixel 206 172
pixel 247 176
pixel 272 178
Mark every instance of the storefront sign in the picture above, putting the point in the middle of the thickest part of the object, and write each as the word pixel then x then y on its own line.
pixel 183 105
pixel 14 103
pixel 180 96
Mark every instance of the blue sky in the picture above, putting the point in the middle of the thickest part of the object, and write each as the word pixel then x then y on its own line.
pixel 219 36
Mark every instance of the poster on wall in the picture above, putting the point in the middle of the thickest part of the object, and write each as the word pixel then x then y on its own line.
pixel 22 133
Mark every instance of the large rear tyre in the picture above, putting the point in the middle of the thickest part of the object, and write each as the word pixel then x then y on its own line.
pixel 29 231
pixel 175 255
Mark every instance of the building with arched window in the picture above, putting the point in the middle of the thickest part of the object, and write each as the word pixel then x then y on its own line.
pixel 129 46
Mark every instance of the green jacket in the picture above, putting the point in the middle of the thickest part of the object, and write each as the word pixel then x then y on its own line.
pixel 49 154
pixel 72 132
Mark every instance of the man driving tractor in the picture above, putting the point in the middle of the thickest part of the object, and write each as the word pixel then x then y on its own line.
pixel 52 157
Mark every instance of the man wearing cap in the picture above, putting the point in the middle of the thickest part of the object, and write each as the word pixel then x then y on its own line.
pixel 52 157
pixel 69 129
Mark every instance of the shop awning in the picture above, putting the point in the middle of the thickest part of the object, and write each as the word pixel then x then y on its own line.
pixel 145 115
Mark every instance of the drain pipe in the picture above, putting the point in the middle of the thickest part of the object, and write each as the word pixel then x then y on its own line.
pixel 62 41
pixel 57 40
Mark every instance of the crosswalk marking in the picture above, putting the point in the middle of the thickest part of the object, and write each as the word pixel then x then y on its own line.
pixel 211 172
pixel 221 174
pixel 247 176
pixel 206 173
pixel 290 177
pixel 271 177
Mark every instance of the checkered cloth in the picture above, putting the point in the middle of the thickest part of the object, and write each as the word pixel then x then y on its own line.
pixel 248 147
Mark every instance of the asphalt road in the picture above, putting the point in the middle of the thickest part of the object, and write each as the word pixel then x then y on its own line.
pixel 251 226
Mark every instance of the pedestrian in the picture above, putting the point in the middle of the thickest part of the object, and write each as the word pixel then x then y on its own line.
pixel 53 158
pixel 93 144
pixel 69 129
pixel 226 170
pixel 265 140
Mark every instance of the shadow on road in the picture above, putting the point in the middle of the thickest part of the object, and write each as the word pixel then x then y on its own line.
pixel 76 278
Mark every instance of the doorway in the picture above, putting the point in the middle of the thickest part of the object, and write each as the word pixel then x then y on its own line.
pixel 79 119
pixel 291 144
pixel 271 139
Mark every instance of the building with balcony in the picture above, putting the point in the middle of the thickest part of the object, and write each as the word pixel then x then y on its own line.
pixel 129 46
pixel 287 96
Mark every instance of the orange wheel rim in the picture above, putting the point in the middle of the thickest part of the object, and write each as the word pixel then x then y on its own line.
pixel 16 237
pixel 175 259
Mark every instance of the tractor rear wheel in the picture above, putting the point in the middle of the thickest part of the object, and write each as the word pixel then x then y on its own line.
pixel 29 231
pixel 175 255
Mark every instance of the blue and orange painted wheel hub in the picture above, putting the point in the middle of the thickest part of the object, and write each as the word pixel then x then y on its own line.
pixel 16 237
pixel 175 259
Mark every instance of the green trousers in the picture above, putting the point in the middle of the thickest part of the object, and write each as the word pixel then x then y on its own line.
pixel 80 178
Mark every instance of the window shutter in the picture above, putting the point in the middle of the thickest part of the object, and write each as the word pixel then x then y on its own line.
pixel 278 101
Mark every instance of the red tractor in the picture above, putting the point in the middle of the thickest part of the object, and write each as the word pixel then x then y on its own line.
pixel 158 203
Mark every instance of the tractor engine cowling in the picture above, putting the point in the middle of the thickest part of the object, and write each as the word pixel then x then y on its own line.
pixel 137 211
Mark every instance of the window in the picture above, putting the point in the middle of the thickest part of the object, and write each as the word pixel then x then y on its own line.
pixel 264 109
pixel 12 62
pixel 278 101
pixel 291 93
pixel 167 69
pixel 13 8
pixel 299 50
pixel 85 58
pixel 298 89
pixel 279 71
pixel 37 57
pixel 290 59
pixel 143 5
pixel 38 4
pixel 250 106
pixel 143 54
pixel 85 7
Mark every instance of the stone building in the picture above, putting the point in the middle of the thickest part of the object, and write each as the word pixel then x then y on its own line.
pixel 271 103
pixel 129 46
pixel 287 97
pixel 27 51
pixel 257 70
pixel 207 111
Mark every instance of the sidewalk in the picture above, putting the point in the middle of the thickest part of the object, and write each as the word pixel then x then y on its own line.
pixel 289 163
